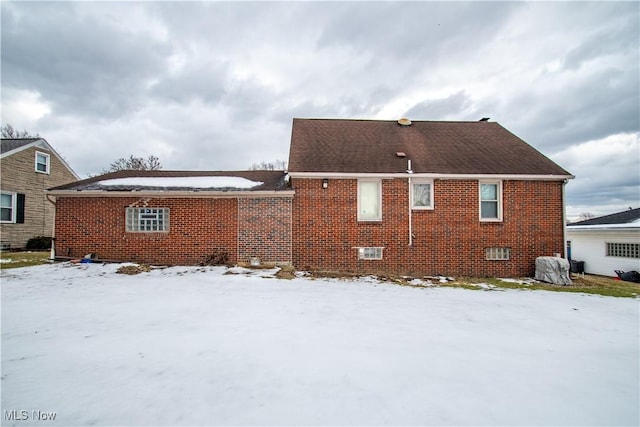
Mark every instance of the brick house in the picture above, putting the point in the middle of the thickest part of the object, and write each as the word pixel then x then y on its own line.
pixel 176 217
pixel 452 198
pixel 368 196
pixel 28 166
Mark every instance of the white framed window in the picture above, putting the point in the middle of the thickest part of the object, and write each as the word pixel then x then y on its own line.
pixel 374 253
pixel 422 194
pixel 147 219
pixel 490 196
pixel 8 207
pixel 369 200
pixel 42 162
pixel 625 250
pixel 497 254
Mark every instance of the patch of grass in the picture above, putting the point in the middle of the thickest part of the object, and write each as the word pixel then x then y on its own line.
pixel 589 284
pixel 23 259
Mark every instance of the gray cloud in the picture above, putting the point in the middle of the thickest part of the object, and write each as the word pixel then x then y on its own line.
pixel 214 85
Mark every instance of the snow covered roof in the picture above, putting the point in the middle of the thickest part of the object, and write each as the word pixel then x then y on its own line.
pixel 235 182
pixel 624 217
pixel 174 181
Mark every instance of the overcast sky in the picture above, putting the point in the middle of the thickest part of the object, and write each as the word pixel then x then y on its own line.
pixel 215 85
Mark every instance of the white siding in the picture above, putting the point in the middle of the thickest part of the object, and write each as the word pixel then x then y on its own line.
pixel 590 246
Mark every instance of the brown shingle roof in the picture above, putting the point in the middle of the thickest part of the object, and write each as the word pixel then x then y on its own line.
pixel 370 146
pixel 271 180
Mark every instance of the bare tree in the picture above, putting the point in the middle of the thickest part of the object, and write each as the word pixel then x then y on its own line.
pixel 585 215
pixel 151 163
pixel 10 132
pixel 270 166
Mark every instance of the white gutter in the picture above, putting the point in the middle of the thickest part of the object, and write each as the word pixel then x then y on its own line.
pixel 52 253
pixel 564 223
pixel 605 227
pixel 410 172
pixel 168 194
pixel 516 177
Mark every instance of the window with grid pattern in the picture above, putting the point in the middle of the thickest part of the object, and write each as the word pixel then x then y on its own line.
pixel 370 253
pixel 147 219
pixel 625 250
pixel 497 254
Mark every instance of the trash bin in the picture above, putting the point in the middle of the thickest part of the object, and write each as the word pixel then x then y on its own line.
pixel 577 266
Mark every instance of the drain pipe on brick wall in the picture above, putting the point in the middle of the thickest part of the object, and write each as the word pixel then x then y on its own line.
pixel 409 171
pixel 564 221
pixel 52 254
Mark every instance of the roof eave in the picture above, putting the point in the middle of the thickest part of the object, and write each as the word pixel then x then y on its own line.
pixel 172 193
pixel 355 175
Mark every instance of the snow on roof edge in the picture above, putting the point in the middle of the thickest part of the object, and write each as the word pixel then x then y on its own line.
pixel 184 182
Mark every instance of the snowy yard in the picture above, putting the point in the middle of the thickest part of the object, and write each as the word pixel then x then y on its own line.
pixel 195 346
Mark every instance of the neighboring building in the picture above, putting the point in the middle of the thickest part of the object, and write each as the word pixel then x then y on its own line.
pixel 607 243
pixel 176 217
pixel 453 198
pixel 28 167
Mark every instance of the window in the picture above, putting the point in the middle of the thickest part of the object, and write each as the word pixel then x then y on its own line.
pixel 42 162
pixel 422 195
pixel 497 254
pixel 369 201
pixel 490 201
pixel 370 253
pixel 7 207
pixel 147 219
pixel 12 208
pixel 626 250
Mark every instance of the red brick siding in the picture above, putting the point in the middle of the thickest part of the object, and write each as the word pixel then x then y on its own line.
pixel 197 228
pixel 448 240
pixel 264 229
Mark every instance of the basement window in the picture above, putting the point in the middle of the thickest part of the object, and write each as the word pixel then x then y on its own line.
pixel 370 253
pixel 624 250
pixel 497 254
pixel 147 219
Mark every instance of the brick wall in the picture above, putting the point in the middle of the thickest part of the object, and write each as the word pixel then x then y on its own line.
pixel 198 227
pixel 448 240
pixel 264 229
pixel 18 175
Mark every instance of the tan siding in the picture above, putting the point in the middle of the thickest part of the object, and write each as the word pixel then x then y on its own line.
pixel 18 175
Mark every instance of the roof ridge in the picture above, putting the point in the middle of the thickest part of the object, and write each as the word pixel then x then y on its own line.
pixel 391 120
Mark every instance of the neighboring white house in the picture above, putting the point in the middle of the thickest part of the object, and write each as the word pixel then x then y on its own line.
pixel 607 243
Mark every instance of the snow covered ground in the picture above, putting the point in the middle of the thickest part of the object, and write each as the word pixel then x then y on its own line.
pixel 195 346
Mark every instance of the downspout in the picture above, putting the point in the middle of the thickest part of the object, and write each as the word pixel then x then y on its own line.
pixel 409 171
pixel 564 222
pixel 52 254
